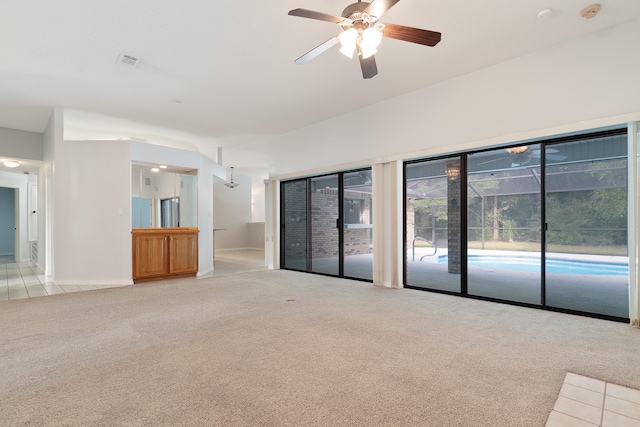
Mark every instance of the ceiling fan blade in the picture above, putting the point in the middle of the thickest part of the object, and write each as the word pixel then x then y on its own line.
pixel 378 7
pixel 368 65
pixel 304 13
pixel 413 35
pixel 551 154
pixel 317 51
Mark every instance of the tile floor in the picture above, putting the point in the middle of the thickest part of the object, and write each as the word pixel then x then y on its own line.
pixel 19 280
pixel 588 402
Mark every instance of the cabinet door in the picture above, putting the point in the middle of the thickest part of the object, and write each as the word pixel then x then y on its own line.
pixel 151 255
pixel 183 253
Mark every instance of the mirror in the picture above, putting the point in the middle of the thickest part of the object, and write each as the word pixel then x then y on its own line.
pixel 163 198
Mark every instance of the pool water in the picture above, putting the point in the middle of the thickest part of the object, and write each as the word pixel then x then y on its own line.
pixel 553 265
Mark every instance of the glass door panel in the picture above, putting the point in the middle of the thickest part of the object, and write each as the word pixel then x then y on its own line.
pixel 294 225
pixel 433 224
pixel 325 231
pixel 504 224
pixel 586 205
pixel 358 225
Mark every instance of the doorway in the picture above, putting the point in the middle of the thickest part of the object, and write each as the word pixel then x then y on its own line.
pixel 7 224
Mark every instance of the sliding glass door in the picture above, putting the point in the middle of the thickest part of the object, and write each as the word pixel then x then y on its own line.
pixel 433 225
pixel 586 209
pixel 503 224
pixel 358 225
pixel 324 224
pixel 541 224
pixel 294 237
pixel 327 225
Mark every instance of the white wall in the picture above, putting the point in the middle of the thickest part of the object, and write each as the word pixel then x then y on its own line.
pixel 92 217
pixel 257 199
pixel 585 83
pixel 20 144
pixel 256 235
pixel 232 213
pixel 207 171
pixel 51 136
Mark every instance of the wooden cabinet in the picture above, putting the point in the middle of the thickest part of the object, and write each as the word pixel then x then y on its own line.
pixel 164 253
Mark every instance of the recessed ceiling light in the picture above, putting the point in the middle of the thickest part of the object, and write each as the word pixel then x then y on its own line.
pixel 163 166
pixel 155 170
pixel 544 14
pixel 11 164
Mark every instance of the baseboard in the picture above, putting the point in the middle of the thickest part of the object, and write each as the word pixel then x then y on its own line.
pixel 93 282
pixel 204 273
pixel 239 249
pixel 387 285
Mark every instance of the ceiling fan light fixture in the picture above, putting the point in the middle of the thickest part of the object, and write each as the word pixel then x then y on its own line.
pixel 348 40
pixel 372 37
pixel 517 150
pixel 367 51
pixel 370 40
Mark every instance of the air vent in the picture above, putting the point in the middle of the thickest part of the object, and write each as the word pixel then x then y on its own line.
pixel 128 60
pixel 34 251
pixel 147 182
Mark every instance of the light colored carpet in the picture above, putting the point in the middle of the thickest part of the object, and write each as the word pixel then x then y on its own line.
pixel 278 348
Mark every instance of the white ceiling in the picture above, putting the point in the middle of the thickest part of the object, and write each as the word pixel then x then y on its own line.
pixel 221 73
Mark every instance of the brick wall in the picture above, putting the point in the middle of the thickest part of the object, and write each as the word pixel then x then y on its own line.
pixel 324 233
pixel 357 241
pixel 453 215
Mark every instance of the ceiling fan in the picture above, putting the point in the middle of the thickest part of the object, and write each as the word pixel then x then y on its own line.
pixel 362 33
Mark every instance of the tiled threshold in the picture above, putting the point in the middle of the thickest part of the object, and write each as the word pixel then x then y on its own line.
pixel 588 402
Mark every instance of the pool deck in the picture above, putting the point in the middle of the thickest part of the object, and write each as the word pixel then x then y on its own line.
pixel 599 294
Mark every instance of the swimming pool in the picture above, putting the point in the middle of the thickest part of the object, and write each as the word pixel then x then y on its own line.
pixel 553 265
